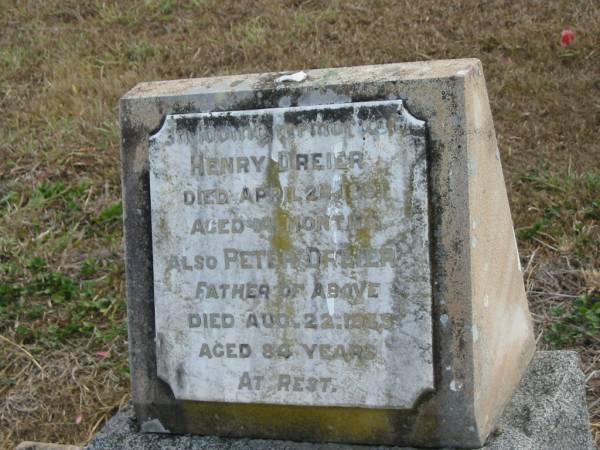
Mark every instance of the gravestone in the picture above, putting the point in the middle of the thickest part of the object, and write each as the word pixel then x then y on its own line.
pixel 325 257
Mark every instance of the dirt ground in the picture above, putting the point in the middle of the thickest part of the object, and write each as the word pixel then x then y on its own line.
pixel 64 64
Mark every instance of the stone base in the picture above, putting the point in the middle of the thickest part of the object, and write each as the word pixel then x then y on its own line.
pixel 548 411
pixel 31 445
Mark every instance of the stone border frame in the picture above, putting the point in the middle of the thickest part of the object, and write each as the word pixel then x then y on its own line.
pixel 459 412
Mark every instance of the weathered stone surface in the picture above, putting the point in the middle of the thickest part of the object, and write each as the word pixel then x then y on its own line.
pixel 480 331
pixel 311 227
pixel 548 411
pixel 31 445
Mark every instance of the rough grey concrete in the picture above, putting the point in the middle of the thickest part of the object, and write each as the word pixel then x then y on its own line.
pixel 548 411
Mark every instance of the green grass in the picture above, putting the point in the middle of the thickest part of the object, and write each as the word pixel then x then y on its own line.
pixel 562 211
pixel 52 304
pixel 579 324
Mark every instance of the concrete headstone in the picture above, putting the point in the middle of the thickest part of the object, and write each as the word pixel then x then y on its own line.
pixel 325 258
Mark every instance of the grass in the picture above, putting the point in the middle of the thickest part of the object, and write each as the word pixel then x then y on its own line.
pixel 63 66
pixel 561 212
pixel 579 325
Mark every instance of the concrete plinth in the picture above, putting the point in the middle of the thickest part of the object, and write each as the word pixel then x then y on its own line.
pixel 548 411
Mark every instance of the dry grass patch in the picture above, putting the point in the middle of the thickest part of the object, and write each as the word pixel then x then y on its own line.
pixel 34 405
pixel 64 64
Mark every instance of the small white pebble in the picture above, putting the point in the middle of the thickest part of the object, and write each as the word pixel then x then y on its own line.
pixel 296 77
pixel 455 385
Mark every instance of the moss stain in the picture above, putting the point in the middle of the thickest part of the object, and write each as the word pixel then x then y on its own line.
pixel 347 185
pixel 280 242
pixel 280 239
pixel 363 236
pixel 350 424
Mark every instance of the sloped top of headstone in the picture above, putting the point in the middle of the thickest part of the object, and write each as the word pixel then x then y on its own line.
pixel 314 78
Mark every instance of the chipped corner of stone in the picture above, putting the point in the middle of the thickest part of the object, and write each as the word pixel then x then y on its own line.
pixel 145 89
pixel 153 426
pixel 469 67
